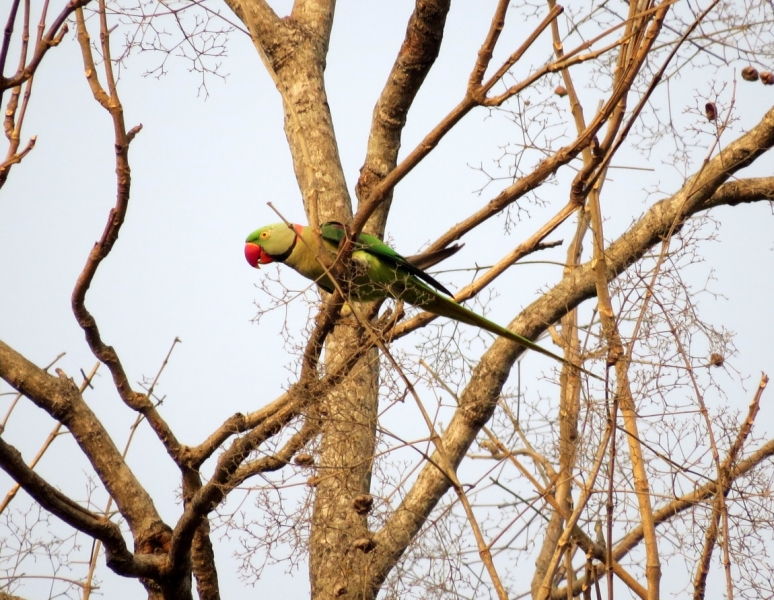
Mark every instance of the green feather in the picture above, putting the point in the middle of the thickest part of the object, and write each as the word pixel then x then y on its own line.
pixel 380 272
pixel 335 232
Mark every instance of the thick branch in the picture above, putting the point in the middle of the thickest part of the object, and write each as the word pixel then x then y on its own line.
pixel 102 248
pixel 741 191
pixel 316 17
pixel 227 471
pixel 625 400
pixel 264 20
pixel 7 34
pixel 474 96
pixel 294 52
pixel 222 482
pixel 59 397
pixel 274 462
pixel 119 558
pixel 194 456
pixel 479 399
pixel 105 353
pixel 417 55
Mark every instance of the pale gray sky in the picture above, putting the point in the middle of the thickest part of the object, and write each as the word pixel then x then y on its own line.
pixel 202 174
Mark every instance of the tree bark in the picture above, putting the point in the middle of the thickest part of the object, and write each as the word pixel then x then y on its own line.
pixel 478 401
pixel 294 51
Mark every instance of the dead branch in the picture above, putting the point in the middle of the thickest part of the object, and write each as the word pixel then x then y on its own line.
pixel 60 398
pixel 46 444
pixel 472 98
pixel 45 43
pixel 118 556
pixel 416 56
pixel 480 397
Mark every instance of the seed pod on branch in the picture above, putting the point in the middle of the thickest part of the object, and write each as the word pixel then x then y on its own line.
pixel 711 111
pixel 750 73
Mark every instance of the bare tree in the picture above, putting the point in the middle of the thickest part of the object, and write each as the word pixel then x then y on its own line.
pixel 598 483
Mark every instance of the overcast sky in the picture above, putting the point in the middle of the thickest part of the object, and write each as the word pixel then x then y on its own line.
pixel 203 170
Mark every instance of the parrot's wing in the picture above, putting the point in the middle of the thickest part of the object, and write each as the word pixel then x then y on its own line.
pixel 420 294
pixel 334 232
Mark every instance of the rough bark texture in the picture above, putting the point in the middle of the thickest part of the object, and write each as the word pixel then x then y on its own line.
pixel 294 51
pixel 417 54
pixel 59 397
pixel 339 400
pixel 479 399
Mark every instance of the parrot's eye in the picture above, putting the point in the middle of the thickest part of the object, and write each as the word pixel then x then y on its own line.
pixel 264 235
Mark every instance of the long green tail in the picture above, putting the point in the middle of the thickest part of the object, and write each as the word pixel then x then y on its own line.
pixel 446 307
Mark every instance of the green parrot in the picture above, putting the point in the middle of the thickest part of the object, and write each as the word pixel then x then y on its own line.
pixel 379 271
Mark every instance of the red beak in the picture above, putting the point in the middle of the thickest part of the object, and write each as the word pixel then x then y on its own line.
pixel 256 256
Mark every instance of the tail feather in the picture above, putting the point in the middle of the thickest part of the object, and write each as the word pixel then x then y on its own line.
pixel 445 307
pixel 425 260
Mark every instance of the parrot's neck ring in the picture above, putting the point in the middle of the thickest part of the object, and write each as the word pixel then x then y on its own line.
pixel 284 256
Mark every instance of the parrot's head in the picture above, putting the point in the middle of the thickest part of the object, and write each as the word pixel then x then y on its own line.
pixel 271 243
